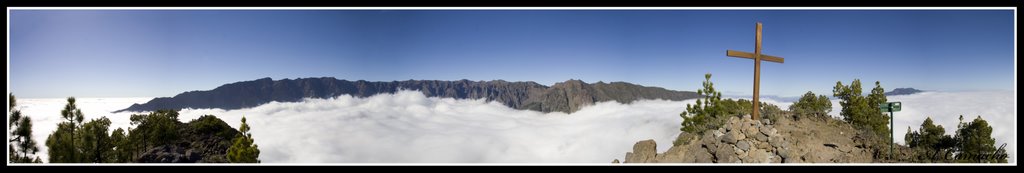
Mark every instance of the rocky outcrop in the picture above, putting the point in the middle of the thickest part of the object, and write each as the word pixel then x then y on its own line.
pixel 568 96
pixel 743 140
pixel 643 151
pixel 204 140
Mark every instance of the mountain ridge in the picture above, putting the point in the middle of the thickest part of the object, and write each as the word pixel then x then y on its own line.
pixel 568 96
pixel 903 91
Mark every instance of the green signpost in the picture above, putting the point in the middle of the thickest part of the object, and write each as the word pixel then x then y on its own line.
pixel 891 107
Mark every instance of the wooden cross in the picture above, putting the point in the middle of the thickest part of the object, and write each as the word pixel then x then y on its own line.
pixel 757 56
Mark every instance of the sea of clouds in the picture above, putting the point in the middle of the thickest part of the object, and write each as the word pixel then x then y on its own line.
pixel 408 127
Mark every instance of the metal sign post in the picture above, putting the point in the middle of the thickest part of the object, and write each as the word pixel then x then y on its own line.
pixel 891 107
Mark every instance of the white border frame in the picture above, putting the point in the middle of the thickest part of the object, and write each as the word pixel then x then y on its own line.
pixel 520 8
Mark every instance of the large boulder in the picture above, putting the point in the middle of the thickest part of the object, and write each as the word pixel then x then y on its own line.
pixel 643 152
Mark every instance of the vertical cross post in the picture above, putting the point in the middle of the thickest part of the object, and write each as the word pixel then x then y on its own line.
pixel 757 73
pixel 757 57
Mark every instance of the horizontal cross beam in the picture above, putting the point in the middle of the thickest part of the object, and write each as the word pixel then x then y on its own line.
pixel 749 55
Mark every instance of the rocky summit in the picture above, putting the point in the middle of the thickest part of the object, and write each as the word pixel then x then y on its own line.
pixel 205 140
pixel 744 140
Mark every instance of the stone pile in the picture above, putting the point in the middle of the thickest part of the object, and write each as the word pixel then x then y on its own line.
pixel 740 140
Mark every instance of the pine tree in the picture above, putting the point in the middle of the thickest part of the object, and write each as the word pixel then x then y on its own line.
pixel 876 119
pixel 94 142
pixel 122 147
pixel 61 143
pixel 704 113
pixel 22 146
pixel 929 141
pixel 976 143
pixel 244 149
pixel 862 111
pixel 154 129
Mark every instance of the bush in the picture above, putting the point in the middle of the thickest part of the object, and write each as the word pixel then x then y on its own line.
pixel 811 106
pixel 209 124
pixel 771 112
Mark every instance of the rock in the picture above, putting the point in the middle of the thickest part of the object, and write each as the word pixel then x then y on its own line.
pixel 725 154
pixel 766 121
pixel 788 156
pixel 709 141
pixel 763 145
pixel 690 152
pixel 740 136
pixel 643 152
pixel 845 148
pixel 731 137
pixel 733 122
pixel 750 131
pixel 811 158
pixel 759 156
pixel 761 137
pixel 711 149
pixel 728 159
pixel 703 157
pixel 765 130
pixel 792 161
pixel 193 156
pixel 746 116
pixel 777 141
pixel 831 145
pixel 743 145
pixel 717 134
pixel 673 155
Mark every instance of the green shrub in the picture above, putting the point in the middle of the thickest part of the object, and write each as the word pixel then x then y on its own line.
pixel 811 106
pixel 209 124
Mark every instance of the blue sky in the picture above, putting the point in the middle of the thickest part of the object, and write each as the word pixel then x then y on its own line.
pixel 160 53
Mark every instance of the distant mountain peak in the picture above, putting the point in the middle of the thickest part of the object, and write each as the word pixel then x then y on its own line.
pixel 902 91
pixel 568 96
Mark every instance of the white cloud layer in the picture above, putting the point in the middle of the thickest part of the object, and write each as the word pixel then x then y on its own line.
pixel 407 127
